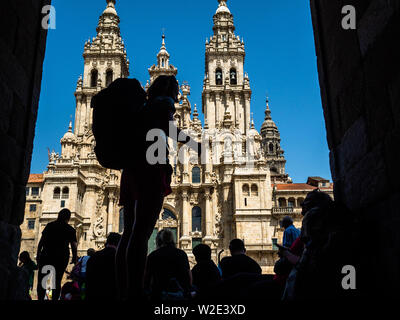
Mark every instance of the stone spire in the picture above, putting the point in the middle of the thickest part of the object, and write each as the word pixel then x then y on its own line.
pixel 163 66
pixel 224 75
pixel 223 19
pixel 109 20
pixel 272 148
pixel 268 123
pixel 105 59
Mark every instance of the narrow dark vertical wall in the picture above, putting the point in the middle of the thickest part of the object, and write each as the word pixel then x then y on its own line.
pixel 359 74
pixel 22 49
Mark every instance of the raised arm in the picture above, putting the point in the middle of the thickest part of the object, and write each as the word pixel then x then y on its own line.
pixel 74 248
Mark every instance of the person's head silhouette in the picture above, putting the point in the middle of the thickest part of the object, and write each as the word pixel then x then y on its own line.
pixel 164 86
pixel 165 238
pixel 236 247
pixel 286 222
pixel 64 215
pixel 113 239
pixel 24 257
pixel 316 198
pixel 202 252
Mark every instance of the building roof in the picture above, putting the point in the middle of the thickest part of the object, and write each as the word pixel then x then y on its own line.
pixel 299 186
pixel 318 178
pixel 36 178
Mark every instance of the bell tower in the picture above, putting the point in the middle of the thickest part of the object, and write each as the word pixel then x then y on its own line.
pixel 105 59
pixel 226 89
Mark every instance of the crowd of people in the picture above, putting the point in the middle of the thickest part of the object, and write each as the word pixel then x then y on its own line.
pixel 310 261
pixel 309 265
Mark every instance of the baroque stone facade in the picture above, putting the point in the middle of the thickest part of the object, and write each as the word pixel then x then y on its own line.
pixel 225 197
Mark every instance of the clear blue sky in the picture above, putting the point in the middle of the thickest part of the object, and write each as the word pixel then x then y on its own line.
pixel 280 60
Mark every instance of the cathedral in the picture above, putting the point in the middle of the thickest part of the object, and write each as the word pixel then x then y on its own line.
pixel 241 190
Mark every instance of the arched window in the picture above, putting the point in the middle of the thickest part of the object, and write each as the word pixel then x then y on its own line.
pixel 196 219
pixel 56 193
pixel 109 77
pixel 246 190
pixel 162 62
pixel 291 202
pixel 167 214
pixel 65 193
pixel 274 170
pixel 93 78
pixel 196 175
pixel 218 77
pixel 271 148
pixel 254 190
pixel 300 201
pixel 233 76
pixel 282 202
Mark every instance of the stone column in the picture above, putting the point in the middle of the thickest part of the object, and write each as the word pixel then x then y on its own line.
pixel 247 112
pixel 208 214
pixel 87 109
pixel 218 111
pixel 110 214
pixel 185 173
pixel 238 120
pixel 77 130
pixel 185 239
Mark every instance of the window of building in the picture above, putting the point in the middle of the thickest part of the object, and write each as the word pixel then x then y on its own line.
pixel 62 203
pixel 121 221
pixel 27 191
pixel 233 76
pixel 300 201
pixel 31 224
pixel 282 202
pixel 254 190
pixel 65 193
pixel 196 242
pixel 109 77
pixel 56 193
pixel 245 202
pixel 196 219
pixel 196 175
pixel 32 208
pixel 291 203
pixel 271 148
pixel 218 77
pixel 35 191
pixel 94 75
pixel 246 190
pixel 167 214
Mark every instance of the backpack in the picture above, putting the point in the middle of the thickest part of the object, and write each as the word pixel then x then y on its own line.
pixel 117 119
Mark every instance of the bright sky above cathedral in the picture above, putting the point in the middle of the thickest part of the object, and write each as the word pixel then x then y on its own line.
pixel 280 61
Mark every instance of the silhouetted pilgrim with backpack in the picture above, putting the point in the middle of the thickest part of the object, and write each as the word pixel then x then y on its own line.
pixel 123 115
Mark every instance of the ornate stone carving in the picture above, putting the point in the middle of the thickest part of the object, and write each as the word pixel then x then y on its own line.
pixel 98 228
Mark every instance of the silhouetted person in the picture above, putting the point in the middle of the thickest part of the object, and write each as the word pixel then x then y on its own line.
pixel 239 262
pixel 144 186
pixel 167 271
pixel 53 250
pixel 291 233
pixel 82 272
pixel 101 281
pixel 315 275
pixel 205 273
pixel 27 264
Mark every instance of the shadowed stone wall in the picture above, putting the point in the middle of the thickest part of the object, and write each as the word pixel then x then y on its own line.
pixel 22 48
pixel 360 88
